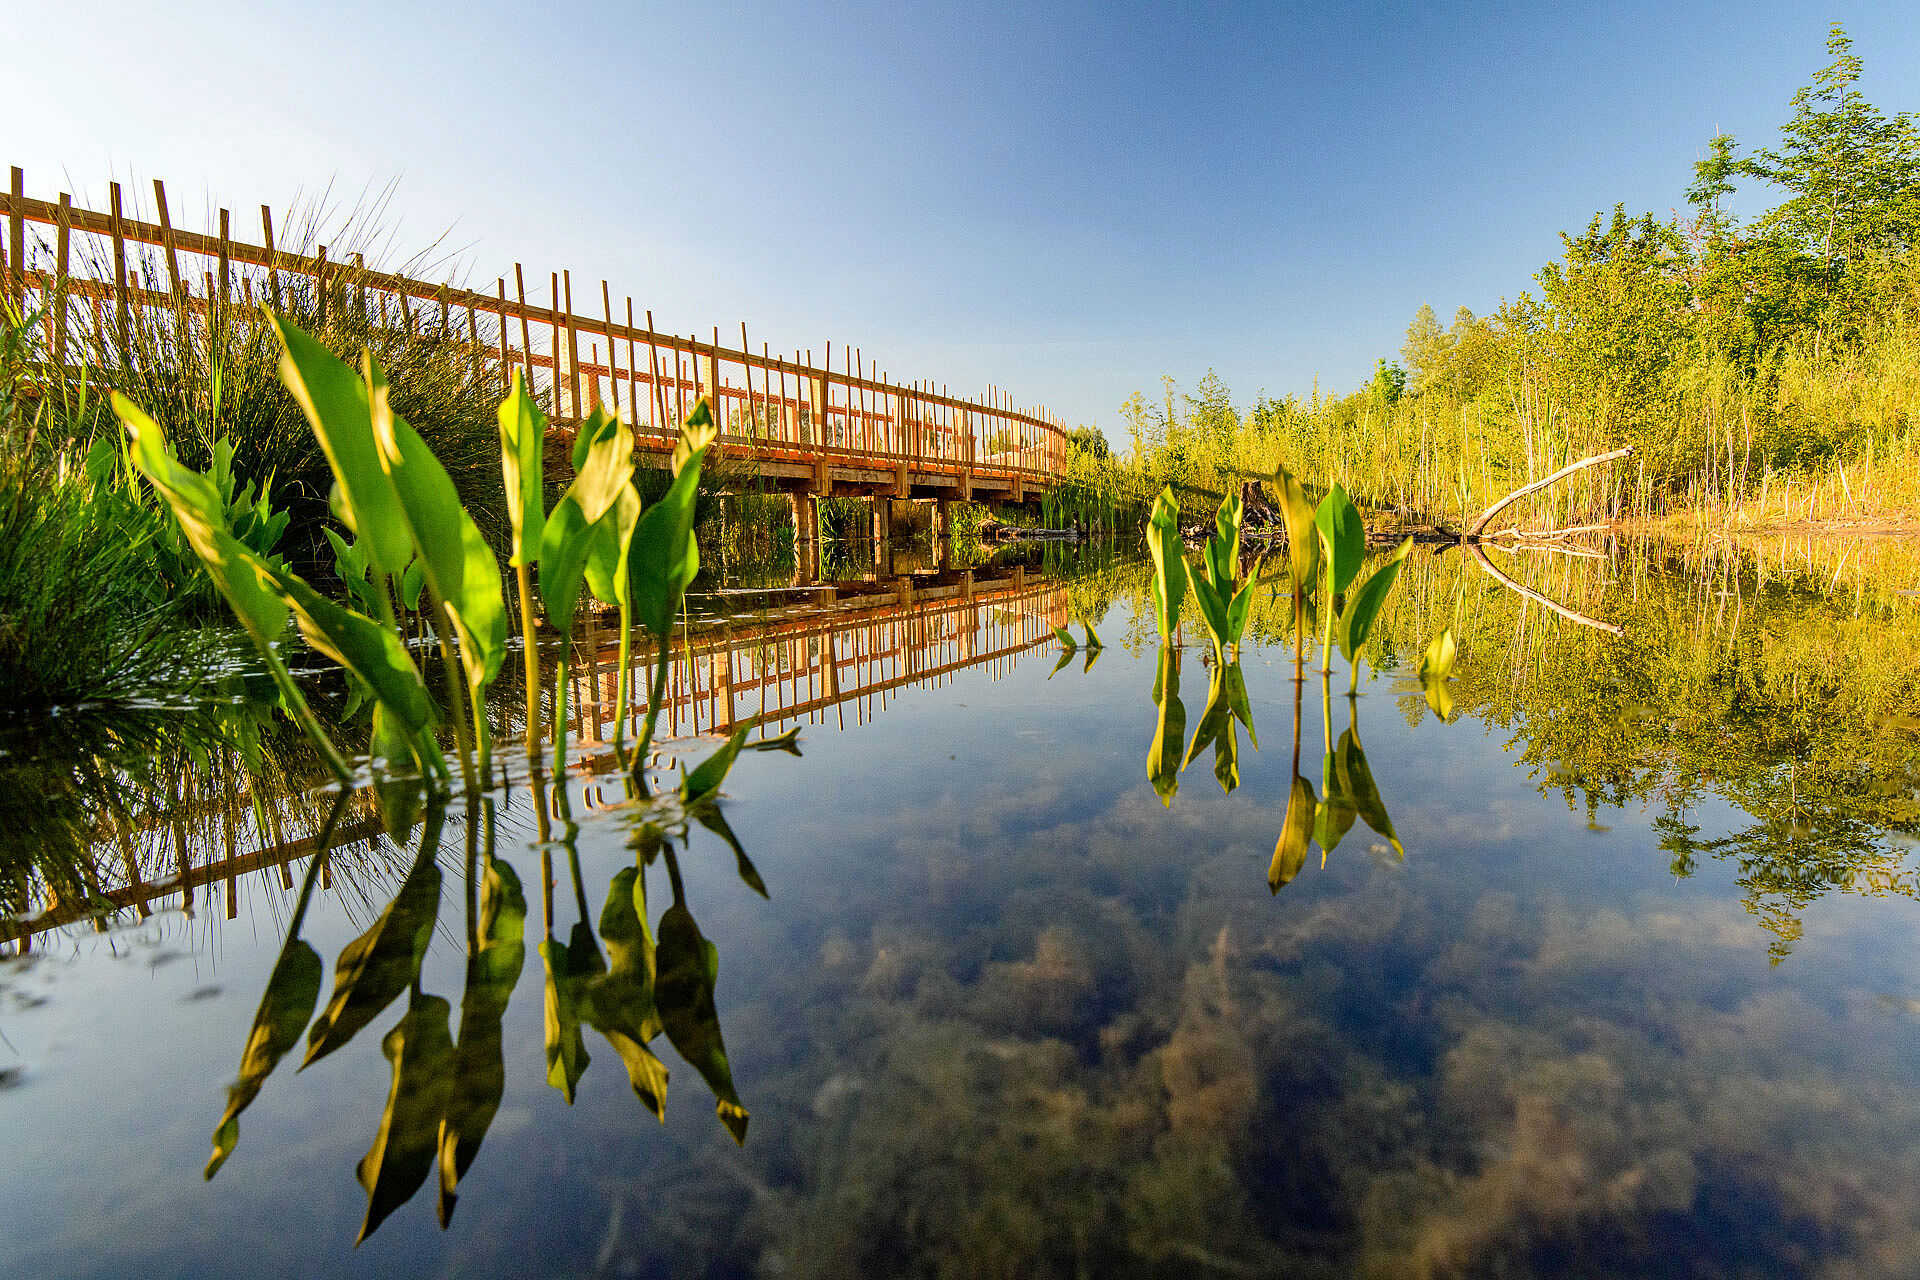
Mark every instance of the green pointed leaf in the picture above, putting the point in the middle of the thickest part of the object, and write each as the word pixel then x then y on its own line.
pixel 523 441
pixel 609 548
pixel 381 963
pixel 1169 556
pixel 696 434
pixel 397 790
pixel 1066 660
pixel 413 582
pixel 334 398
pixel 665 556
pixel 1213 611
pixel 408 1139
pixel 706 779
pixel 365 647
pixel 1066 639
pixel 1222 555
pixel 479 1076
pixel 458 565
pixel 1366 603
pixel 1241 606
pixel 1303 543
pixel 1343 538
pixel 1436 667
pixel 1093 641
pixel 240 576
pixel 688 966
pixel 292 991
pixel 1437 661
pixel 565 543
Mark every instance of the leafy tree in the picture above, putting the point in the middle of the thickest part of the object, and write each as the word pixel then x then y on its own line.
pixel 1852 174
pixel 1389 382
pixel 1426 351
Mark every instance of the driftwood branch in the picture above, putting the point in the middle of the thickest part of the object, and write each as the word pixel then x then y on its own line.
pixel 1485 517
pixel 1480 558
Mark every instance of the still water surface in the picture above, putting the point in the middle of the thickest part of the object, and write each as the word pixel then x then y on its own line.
pixel 1640 997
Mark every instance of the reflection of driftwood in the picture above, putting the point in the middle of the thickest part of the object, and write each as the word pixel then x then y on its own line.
pixel 1480 558
pixel 1485 517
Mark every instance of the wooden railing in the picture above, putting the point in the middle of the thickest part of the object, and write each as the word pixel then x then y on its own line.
pixel 82 272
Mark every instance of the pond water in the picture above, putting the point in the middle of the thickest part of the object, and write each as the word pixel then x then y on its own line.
pixel 1617 976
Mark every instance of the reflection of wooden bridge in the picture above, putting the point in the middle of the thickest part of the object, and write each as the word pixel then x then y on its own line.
pixel 856 643
pixel 807 428
pixel 857 646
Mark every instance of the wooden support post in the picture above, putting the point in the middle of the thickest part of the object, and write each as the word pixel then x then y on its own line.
pixel 17 242
pixel 226 261
pixel 573 348
pixel 62 240
pixel 116 228
pixel 273 263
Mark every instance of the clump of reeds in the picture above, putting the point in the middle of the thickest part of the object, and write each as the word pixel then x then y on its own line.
pixel 209 372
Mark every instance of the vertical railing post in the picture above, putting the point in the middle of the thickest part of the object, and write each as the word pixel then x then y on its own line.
pixel 17 242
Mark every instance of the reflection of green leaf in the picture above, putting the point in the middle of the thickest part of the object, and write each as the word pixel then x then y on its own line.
pixel 378 965
pixel 689 966
pixel 707 814
pixel 397 793
pixel 1357 781
pixel 1093 656
pixel 1296 833
pixel 1436 667
pixel 1357 623
pixel 1163 757
pixel 1333 817
pixel 479 1076
pixel 619 1003
pixel 1066 660
pixel 570 966
pixel 711 772
pixel 292 991
pixel 1235 685
pixel 1217 729
pixel 404 1148
pixel 788 742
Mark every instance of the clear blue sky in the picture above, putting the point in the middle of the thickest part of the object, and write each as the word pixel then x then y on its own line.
pixel 1069 200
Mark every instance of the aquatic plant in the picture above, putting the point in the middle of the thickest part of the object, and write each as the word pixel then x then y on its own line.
pixel 1169 564
pixel 1222 595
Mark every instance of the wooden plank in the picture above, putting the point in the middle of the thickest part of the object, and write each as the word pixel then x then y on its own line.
pixel 273 269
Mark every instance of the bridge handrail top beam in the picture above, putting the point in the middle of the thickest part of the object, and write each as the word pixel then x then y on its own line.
pixel 93 222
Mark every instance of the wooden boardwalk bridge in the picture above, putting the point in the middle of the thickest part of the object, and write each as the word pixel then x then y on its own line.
pixel 832 648
pixel 838 426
